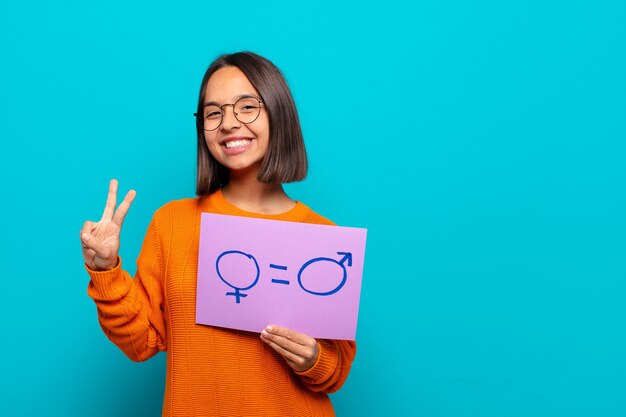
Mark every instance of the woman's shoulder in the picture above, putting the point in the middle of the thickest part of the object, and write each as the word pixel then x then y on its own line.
pixel 177 208
pixel 310 216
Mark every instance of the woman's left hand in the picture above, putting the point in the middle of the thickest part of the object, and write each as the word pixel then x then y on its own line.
pixel 299 350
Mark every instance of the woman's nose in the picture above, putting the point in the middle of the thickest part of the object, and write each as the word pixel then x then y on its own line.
pixel 229 121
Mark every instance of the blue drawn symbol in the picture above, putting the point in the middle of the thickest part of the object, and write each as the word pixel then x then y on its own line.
pixel 238 294
pixel 279 281
pixel 347 257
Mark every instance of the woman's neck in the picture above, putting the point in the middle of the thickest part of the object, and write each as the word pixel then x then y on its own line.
pixel 247 193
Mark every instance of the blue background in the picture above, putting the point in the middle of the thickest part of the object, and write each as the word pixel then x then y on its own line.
pixel 481 143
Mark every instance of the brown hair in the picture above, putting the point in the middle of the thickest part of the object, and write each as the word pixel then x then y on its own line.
pixel 285 159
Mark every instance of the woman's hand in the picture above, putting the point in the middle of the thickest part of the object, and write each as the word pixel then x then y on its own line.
pixel 101 240
pixel 299 350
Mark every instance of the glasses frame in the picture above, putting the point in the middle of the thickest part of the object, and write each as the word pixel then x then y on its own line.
pixel 200 118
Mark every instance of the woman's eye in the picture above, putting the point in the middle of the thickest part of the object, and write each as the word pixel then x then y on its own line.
pixel 213 115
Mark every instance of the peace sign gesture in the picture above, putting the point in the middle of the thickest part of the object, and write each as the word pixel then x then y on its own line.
pixel 101 240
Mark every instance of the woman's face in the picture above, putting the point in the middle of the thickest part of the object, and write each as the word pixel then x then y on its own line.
pixel 237 146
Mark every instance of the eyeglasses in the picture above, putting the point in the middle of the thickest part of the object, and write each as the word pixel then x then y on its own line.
pixel 246 110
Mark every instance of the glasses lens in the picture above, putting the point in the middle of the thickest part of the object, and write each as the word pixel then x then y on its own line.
pixel 247 109
pixel 212 117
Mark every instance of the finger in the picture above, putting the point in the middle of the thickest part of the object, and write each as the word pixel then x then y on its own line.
pixel 109 208
pixel 307 350
pixel 290 357
pixel 298 362
pixel 85 232
pixel 88 242
pixel 291 335
pixel 91 243
pixel 88 256
pixel 88 226
pixel 81 239
pixel 121 211
pixel 87 253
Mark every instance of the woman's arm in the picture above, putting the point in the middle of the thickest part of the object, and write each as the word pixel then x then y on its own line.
pixel 333 365
pixel 130 311
pixel 323 365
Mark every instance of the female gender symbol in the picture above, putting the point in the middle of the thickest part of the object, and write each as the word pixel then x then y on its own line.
pixel 238 294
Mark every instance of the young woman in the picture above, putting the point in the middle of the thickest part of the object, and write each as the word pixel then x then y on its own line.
pixel 249 143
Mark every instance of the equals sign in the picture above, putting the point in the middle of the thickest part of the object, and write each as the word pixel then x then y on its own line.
pixel 279 281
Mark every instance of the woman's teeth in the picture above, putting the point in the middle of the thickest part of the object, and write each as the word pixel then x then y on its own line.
pixel 236 143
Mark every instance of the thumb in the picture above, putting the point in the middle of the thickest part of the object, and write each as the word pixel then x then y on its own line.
pixel 97 256
pixel 89 242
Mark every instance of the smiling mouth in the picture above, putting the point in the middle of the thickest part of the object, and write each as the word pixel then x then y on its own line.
pixel 237 143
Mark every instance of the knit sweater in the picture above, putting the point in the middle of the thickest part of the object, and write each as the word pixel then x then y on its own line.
pixel 211 371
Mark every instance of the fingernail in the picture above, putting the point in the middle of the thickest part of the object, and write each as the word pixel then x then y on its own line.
pixel 269 328
pixel 85 237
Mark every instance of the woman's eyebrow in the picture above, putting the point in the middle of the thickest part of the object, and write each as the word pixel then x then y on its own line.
pixel 214 103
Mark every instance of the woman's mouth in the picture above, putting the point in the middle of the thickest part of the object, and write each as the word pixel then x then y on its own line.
pixel 235 146
pixel 237 143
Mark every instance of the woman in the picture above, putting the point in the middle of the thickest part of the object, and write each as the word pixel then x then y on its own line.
pixel 249 143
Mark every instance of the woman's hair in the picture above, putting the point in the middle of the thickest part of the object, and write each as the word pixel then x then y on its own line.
pixel 285 159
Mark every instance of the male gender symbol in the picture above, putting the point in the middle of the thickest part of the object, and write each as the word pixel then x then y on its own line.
pixel 347 257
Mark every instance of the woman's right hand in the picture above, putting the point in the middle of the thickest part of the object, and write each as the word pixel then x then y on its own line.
pixel 101 240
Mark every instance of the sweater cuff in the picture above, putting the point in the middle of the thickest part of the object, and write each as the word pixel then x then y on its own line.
pixel 325 365
pixel 107 285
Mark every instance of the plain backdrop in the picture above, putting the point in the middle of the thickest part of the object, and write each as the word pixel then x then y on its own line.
pixel 482 143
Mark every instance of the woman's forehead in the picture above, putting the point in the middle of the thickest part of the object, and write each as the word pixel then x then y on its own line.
pixel 228 83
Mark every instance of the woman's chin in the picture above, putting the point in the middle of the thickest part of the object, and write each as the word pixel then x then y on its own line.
pixel 244 168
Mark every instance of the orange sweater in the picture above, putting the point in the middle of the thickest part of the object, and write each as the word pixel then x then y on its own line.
pixel 211 371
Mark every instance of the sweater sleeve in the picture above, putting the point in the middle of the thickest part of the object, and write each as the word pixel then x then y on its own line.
pixel 332 367
pixel 130 311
